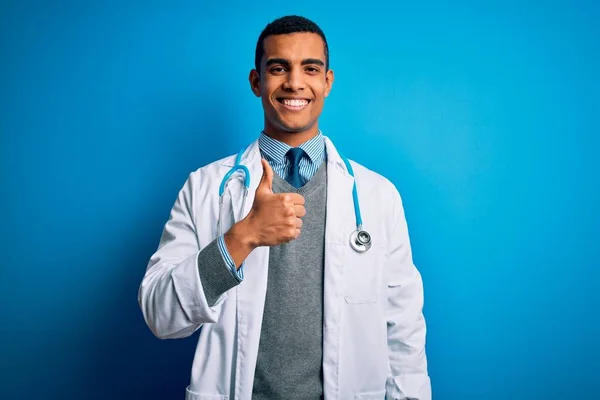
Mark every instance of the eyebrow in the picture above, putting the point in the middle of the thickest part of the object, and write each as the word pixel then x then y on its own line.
pixel 315 61
pixel 285 62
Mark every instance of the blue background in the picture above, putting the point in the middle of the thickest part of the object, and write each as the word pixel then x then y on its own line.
pixel 485 116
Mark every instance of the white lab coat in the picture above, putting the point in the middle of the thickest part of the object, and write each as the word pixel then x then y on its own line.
pixel 373 326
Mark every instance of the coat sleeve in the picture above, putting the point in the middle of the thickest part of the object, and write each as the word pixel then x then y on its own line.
pixel 171 296
pixel 408 378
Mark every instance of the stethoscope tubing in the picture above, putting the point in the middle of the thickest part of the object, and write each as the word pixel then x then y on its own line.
pixel 360 240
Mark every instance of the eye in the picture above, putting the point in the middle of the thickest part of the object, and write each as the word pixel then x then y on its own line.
pixel 312 70
pixel 277 70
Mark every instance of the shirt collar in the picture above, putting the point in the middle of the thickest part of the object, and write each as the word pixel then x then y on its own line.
pixel 275 150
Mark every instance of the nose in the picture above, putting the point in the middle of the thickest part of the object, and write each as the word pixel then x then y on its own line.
pixel 294 81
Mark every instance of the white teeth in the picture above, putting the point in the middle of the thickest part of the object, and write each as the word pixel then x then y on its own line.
pixel 295 103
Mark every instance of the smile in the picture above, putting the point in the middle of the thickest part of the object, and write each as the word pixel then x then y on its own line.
pixel 294 104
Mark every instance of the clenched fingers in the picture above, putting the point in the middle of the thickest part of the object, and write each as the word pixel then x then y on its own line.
pixel 292 198
pixel 300 211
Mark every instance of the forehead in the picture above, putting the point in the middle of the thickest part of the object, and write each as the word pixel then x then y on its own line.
pixel 294 46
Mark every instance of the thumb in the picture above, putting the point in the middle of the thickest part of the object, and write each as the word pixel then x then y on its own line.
pixel 266 182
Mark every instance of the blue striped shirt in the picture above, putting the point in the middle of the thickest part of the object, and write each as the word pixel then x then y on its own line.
pixel 274 152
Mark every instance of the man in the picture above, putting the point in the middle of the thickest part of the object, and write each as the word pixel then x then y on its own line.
pixel 286 307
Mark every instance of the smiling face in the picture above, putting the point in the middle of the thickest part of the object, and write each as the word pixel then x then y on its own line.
pixel 293 83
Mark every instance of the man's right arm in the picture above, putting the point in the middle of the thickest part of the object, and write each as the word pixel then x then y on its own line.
pixel 182 288
pixel 229 250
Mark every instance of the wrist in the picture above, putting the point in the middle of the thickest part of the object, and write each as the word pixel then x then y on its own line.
pixel 241 234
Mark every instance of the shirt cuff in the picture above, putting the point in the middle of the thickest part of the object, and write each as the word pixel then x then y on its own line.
pixel 238 273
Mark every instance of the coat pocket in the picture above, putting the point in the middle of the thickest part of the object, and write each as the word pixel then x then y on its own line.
pixel 190 395
pixel 362 275
pixel 379 395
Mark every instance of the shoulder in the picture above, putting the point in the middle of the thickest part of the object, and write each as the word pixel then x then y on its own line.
pixel 214 169
pixel 373 181
pixel 209 175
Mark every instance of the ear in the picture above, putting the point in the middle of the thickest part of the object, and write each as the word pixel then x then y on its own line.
pixel 328 81
pixel 254 79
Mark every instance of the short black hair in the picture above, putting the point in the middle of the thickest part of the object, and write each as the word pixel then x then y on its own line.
pixel 284 25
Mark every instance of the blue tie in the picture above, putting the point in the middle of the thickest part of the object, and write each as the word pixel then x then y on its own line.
pixel 293 177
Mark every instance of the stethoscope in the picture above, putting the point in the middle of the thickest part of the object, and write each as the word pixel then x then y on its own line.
pixel 360 239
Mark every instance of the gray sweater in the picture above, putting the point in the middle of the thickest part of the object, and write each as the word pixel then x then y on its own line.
pixel 291 340
pixel 289 364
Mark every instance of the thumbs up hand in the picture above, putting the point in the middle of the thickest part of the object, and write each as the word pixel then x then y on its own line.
pixel 274 218
pixel 265 185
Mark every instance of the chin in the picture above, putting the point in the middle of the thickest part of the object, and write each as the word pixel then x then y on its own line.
pixel 295 127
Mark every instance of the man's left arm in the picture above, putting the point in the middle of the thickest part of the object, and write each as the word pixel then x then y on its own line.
pixel 408 378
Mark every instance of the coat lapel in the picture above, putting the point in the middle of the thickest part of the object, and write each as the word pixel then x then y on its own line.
pixel 250 294
pixel 340 222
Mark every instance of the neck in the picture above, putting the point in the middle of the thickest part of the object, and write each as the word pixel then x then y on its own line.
pixel 293 139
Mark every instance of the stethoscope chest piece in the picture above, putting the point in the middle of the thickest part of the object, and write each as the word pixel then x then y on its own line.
pixel 360 240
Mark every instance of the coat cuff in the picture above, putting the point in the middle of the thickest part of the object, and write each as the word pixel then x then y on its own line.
pixel 408 387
